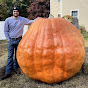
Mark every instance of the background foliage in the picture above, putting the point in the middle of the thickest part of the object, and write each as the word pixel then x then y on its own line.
pixel 6 7
pixel 29 8
pixel 39 8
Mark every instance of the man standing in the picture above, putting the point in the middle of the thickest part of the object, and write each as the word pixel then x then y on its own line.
pixel 13 30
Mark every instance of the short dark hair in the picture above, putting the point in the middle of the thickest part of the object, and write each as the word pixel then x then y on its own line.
pixel 15 8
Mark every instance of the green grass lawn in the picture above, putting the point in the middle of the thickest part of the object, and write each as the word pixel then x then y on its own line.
pixel 84 33
pixel 3 41
pixel 85 36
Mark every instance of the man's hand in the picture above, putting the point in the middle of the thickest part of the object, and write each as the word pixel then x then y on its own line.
pixel 39 17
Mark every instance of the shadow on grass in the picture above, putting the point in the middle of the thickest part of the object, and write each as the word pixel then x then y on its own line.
pixel 2 71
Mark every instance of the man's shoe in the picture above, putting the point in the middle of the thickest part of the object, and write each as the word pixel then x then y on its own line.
pixel 17 71
pixel 5 76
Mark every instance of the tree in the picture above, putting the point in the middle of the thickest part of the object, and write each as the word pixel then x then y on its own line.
pixel 24 5
pixel 39 8
pixel 6 7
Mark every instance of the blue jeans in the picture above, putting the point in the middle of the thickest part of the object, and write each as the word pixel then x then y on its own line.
pixel 12 48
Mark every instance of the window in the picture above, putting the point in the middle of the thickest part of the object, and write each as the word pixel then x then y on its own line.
pixel 74 14
pixel 58 0
pixel 59 15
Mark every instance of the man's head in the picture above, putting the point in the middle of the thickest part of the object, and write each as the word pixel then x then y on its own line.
pixel 15 11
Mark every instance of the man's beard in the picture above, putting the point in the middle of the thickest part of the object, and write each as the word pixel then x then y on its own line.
pixel 16 16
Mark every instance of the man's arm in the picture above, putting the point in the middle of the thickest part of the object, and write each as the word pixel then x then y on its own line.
pixel 6 30
pixel 29 22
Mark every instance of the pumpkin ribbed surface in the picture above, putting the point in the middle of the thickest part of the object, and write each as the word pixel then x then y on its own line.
pixel 52 50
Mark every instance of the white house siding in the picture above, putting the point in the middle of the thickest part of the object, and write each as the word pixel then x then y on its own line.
pixel 81 6
pixel 54 7
pixel 83 13
pixel 2 36
pixel 68 5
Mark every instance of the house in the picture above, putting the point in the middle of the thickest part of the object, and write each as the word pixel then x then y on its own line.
pixel 75 8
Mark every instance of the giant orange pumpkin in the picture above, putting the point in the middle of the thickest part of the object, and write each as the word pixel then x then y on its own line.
pixel 51 51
